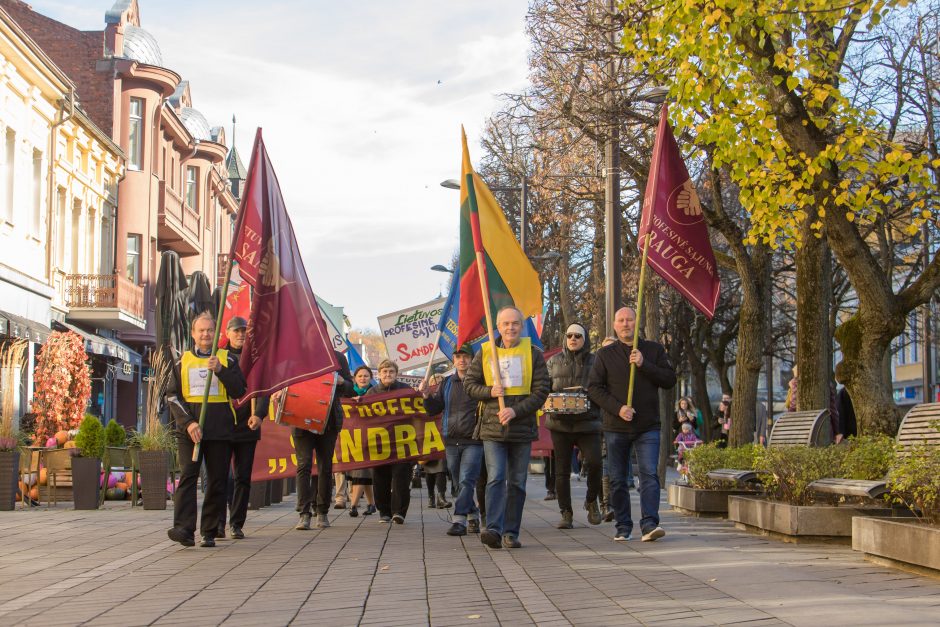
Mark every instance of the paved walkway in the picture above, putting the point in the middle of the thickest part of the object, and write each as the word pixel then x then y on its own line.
pixel 116 567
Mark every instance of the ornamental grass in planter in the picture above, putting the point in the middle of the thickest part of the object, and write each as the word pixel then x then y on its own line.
pixel 154 449
pixel 701 495
pixel 790 509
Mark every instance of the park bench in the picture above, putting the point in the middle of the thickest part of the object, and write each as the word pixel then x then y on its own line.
pixel 915 429
pixel 809 428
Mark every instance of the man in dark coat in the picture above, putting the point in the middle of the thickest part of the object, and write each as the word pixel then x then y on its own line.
pixel 626 427
pixel 249 418
pixel 316 492
pixel 507 432
pixel 184 398
pixel 464 452
pixel 569 372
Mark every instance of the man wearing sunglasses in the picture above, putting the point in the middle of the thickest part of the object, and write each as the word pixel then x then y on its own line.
pixel 569 372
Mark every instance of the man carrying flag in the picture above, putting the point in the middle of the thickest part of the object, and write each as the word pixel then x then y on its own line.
pixel 510 376
pixel 675 243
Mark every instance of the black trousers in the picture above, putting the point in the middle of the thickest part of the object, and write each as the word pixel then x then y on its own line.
pixel 239 482
pixel 436 482
pixel 590 447
pixel 217 455
pixel 550 473
pixel 481 490
pixel 314 492
pixel 391 484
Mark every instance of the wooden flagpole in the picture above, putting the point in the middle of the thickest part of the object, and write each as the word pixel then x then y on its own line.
pixel 485 290
pixel 639 309
pixel 427 373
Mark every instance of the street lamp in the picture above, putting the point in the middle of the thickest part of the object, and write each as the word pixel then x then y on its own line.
pixel 523 189
pixel 613 282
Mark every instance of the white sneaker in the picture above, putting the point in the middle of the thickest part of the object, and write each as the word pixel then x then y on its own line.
pixel 653 535
pixel 623 538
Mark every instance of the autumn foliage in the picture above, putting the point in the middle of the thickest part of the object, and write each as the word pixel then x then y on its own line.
pixel 62 384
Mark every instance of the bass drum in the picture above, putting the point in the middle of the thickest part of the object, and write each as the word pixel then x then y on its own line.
pixel 305 405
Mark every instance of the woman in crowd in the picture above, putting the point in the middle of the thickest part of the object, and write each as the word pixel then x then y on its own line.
pixel 361 480
pixel 687 413
pixel 391 482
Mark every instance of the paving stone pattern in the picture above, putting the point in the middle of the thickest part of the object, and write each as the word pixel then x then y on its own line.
pixel 116 567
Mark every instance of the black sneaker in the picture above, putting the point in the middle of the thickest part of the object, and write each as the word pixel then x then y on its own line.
pixel 353 511
pixel 398 519
pixel 509 542
pixel 443 503
pixel 207 542
pixel 220 532
pixel 237 533
pixel 457 529
pixel 609 515
pixel 491 539
pixel 178 535
pixel 473 526
pixel 369 511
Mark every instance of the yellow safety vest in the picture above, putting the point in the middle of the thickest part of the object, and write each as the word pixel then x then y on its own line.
pixel 194 371
pixel 515 365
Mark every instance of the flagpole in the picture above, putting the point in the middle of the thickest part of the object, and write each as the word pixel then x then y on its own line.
pixel 215 348
pixel 485 290
pixel 639 309
pixel 427 374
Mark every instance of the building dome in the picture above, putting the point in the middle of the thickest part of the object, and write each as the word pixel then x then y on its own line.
pixel 141 46
pixel 195 122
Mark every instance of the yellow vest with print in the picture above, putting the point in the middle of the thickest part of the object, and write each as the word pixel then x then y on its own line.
pixel 194 371
pixel 515 367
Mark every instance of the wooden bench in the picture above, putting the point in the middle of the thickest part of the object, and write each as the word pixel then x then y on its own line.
pixel 809 428
pixel 915 429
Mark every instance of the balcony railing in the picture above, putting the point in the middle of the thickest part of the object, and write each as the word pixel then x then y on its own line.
pixel 172 205
pixel 104 291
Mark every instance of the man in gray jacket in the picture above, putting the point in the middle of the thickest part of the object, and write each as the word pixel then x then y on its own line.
pixel 507 432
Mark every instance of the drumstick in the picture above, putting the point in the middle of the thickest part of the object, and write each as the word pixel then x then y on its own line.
pixel 574 387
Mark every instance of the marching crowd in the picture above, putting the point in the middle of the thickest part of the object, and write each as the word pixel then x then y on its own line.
pixel 488 407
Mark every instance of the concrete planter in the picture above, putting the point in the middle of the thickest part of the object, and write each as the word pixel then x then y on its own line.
pixel 901 542
pixel 698 502
pixel 794 522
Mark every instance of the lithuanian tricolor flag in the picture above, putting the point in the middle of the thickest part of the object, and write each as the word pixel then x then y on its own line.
pixel 509 278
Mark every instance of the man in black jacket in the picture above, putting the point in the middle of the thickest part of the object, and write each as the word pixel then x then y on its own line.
pixel 569 371
pixel 249 418
pixel 184 398
pixel 507 433
pixel 316 492
pixel 627 427
pixel 464 452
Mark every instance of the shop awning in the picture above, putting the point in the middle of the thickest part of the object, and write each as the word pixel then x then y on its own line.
pixel 12 325
pixel 104 346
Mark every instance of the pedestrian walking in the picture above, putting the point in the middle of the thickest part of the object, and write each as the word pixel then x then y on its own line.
pixel 361 480
pixel 391 482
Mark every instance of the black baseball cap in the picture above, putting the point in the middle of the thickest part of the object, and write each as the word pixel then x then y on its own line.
pixel 236 323
pixel 466 349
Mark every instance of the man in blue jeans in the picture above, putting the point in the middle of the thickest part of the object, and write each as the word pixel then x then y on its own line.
pixel 520 384
pixel 464 452
pixel 632 427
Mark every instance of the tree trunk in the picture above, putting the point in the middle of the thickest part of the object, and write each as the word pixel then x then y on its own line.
pixel 699 374
pixel 747 368
pixel 869 384
pixel 813 348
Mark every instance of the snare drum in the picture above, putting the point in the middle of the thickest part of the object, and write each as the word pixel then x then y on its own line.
pixel 567 403
pixel 306 405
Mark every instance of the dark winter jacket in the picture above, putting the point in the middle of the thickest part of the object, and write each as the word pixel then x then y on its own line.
pixel 258 406
pixel 220 417
pixel 459 418
pixel 610 379
pixel 568 370
pixel 522 428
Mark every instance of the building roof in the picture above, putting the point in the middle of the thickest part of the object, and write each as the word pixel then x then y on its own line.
pixel 141 46
pixel 196 123
pixel 234 165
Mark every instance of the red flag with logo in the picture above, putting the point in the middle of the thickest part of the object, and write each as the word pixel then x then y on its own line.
pixel 679 248
pixel 237 303
pixel 287 341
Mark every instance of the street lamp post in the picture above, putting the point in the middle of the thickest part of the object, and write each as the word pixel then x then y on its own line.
pixel 523 190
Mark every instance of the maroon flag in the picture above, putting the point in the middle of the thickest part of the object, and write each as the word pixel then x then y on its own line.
pixel 287 341
pixel 679 248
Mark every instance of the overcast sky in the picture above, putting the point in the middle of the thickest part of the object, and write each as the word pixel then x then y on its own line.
pixel 361 105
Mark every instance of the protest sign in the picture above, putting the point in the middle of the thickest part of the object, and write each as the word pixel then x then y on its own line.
pixel 410 334
pixel 377 429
